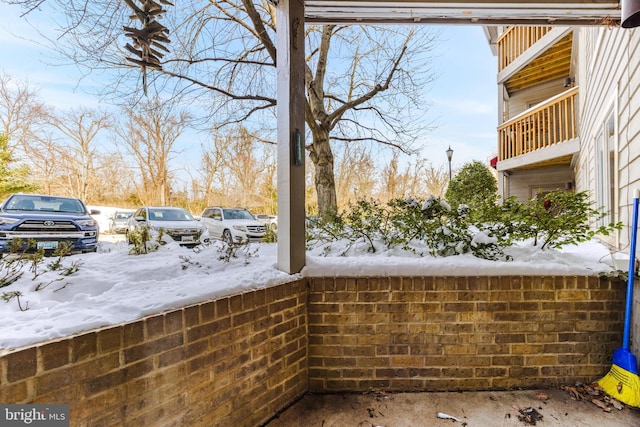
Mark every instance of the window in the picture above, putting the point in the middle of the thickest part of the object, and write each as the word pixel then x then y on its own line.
pixel 605 170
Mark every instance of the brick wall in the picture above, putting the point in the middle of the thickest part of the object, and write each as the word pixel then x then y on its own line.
pixel 239 360
pixel 461 333
pixel 231 362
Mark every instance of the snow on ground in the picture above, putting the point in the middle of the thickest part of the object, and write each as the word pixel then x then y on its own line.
pixel 112 286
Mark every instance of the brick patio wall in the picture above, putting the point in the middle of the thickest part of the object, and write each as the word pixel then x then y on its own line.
pixel 232 362
pixel 461 333
pixel 239 360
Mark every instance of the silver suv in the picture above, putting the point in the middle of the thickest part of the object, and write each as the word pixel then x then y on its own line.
pixel 232 224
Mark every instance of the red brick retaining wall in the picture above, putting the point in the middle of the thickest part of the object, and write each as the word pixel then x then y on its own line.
pixel 239 360
pixel 232 362
pixel 461 333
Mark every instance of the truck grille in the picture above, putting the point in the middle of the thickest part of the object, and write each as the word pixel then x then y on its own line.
pixel 39 226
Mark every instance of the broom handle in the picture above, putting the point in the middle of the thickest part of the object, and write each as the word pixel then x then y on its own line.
pixel 630 277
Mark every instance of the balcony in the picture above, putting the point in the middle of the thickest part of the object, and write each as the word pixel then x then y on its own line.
pixel 549 124
pixel 515 41
pixel 529 56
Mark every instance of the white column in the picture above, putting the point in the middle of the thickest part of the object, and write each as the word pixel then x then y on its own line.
pixel 290 114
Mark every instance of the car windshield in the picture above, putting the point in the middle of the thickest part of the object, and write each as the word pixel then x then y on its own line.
pixel 46 204
pixel 123 215
pixel 237 214
pixel 169 215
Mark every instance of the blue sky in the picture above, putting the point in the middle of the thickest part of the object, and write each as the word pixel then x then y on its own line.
pixel 463 97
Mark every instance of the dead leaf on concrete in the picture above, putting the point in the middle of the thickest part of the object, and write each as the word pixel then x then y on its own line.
pixel 542 396
pixel 529 416
pixel 615 403
pixel 593 393
pixel 601 404
pixel 374 413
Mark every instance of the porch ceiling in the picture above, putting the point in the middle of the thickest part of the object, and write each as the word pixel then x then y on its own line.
pixel 560 161
pixel 463 12
pixel 553 64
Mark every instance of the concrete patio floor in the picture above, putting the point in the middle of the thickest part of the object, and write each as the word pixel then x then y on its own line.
pixel 472 409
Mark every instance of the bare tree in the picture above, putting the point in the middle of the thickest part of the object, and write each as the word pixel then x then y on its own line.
pixel 391 180
pixel 364 84
pixel 436 180
pixel 237 170
pixel 43 153
pixel 21 112
pixel 355 173
pixel 416 178
pixel 114 181
pixel 149 135
pixel 210 174
pixel 78 152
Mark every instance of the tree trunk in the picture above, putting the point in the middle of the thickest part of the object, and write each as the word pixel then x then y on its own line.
pixel 322 158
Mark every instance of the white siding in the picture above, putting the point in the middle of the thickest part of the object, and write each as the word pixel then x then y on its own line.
pixel 526 184
pixel 524 99
pixel 609 76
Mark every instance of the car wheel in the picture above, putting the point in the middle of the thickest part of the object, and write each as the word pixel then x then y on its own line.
pixel 226 236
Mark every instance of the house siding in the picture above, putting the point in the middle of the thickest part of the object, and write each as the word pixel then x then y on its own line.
pixel 605 62
pixel 526 184
pixel 610 80
pixel 609 77
pixel 527 98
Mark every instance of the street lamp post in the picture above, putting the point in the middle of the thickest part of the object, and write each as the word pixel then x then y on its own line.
pixel 449 156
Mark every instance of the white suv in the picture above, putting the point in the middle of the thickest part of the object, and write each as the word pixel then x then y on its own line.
pixel 232 224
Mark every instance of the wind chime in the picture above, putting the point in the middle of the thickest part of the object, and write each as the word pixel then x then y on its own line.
pixel 148 42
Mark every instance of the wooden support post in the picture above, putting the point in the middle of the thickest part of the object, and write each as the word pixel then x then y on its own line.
pixel 291 135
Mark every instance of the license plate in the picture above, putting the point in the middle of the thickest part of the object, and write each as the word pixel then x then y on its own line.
pixel 47 245
pixel 187 238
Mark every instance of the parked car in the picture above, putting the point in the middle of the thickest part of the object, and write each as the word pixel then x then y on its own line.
pixel 48 221
pixel 175 222
pixel 232 224
pixel 270 221
pixel 118 221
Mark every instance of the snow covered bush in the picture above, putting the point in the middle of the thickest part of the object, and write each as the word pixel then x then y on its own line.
pixel 432 227
pixel 560 218
pixel 425 227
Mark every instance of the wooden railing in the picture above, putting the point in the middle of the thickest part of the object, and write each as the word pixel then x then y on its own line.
pixel 515 40
pixel 548 123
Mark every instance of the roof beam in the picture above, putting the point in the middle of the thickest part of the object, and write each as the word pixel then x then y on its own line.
pixel 451 12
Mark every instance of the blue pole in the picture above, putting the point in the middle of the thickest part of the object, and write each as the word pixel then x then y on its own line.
pixel 632 264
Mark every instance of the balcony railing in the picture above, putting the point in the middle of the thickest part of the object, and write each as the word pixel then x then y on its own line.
pixel 515 40
pixel 548 123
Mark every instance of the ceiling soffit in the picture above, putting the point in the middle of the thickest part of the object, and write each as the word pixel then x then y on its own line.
pixel 457 12
pixel 554 63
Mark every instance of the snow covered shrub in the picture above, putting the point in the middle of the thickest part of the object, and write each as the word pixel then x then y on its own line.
pixel 451 232
pixel 433 227
pixel 143 241
pixel 560 218
pixel 363 222
pixel 270 236
pixel 367 221
pixel 327 228
pixel 240 248
pixel 501 221
pixel 428 226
